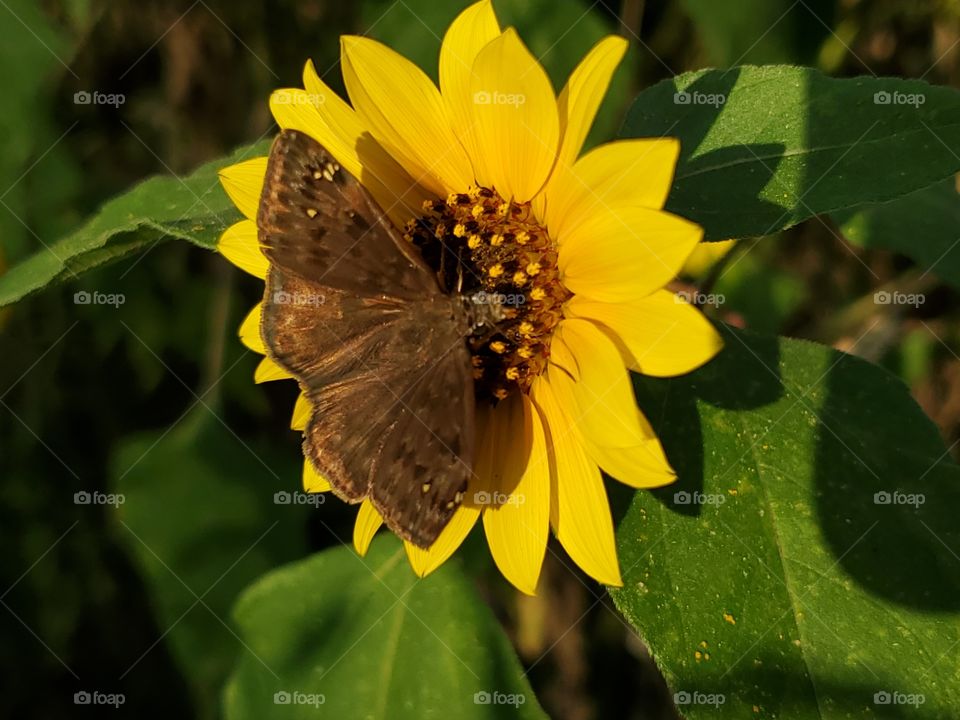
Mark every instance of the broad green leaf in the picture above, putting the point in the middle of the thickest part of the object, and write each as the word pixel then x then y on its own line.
pixel 806 560
pixel 764 148
pixel 194 208
pixel 924 226
pixel 761 31
pixel 342 636
pixel 201 523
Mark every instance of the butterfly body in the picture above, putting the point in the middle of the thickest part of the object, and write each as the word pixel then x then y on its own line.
pixel 380 351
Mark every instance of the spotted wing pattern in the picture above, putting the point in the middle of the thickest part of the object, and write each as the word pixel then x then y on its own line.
pixel 352 312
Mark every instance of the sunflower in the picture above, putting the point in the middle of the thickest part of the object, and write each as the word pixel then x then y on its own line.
pixel 491 161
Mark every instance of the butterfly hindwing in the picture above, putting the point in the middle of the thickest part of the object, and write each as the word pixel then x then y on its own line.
pixel 378 349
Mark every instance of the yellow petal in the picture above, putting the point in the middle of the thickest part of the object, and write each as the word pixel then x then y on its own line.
pixel 642 466
pixel 425 562
pixel 313 482
pixel 514 112
pixel 600 400
pixel 466 36
pixel 250 330
pixel 618 174
pixel 268 370
pixel 367 524
pixel 404 111
pixel 660 335
pixel 579 511
pixel 243 183
pixel 343 134
pixel 583 93
pixel 516 517
pixel 301 413
pixel 625 253
pixel 239 245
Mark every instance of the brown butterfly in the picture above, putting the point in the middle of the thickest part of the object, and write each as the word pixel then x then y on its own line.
pixel 352 311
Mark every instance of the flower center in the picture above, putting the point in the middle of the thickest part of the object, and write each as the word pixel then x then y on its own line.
pixel 500 260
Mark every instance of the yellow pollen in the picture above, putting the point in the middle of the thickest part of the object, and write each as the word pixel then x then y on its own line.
pixel 499 246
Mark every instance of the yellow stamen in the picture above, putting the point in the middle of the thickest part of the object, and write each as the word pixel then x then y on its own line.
pixel 495 271
pixel 498 346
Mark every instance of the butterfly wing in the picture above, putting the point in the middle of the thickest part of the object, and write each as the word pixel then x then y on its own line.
pixel 378 349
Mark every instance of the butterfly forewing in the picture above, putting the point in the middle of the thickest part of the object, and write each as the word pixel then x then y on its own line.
pixel 354 314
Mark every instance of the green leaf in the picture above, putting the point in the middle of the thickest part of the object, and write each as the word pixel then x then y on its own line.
pixel 370 640
pixel 924 226
pixel 194 208
pixel 792 590
pixel 200 521
pixel 764 148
